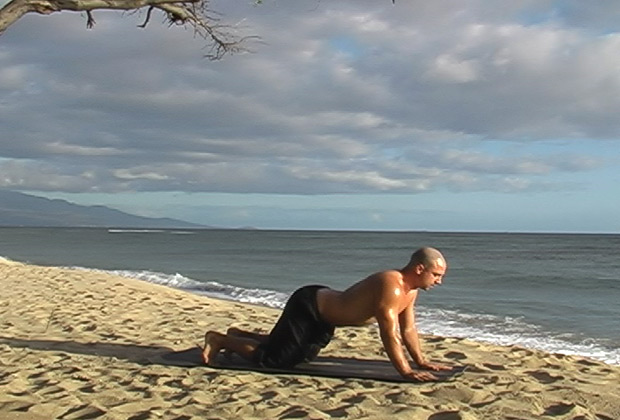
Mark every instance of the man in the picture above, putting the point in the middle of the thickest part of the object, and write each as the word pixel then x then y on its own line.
pixel 308 320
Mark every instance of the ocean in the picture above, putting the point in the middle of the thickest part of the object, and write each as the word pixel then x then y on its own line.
pixel 552 292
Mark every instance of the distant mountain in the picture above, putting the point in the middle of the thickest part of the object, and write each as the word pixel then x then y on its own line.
pixel 18 209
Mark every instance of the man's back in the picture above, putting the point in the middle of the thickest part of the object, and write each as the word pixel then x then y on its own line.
pixel 360 303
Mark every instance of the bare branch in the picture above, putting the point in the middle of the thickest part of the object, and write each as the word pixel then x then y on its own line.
pixel 192 13
pixel 90 22
pixel 148 17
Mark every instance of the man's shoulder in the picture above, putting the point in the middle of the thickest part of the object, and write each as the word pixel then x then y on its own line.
pixel 390 275
pixel 386 277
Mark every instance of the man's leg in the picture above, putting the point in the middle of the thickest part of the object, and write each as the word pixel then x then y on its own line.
pixel 285 345
pixel 215 342
pixel 298 333
pixel 236 332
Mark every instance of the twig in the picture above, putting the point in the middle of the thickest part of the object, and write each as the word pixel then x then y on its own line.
pixel 148 17
pixel 90 22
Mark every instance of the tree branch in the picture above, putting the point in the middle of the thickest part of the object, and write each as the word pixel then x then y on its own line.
pixel 90 22
pixel 148 17
pixel 193 13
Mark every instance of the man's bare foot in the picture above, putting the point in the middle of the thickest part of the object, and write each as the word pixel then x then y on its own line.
pixel 212 347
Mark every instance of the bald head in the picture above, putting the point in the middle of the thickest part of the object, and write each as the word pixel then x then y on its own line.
pixel 428 257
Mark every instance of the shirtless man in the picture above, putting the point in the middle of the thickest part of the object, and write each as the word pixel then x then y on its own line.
pixel 308 320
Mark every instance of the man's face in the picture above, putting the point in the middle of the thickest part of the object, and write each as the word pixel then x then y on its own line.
pixel 433 275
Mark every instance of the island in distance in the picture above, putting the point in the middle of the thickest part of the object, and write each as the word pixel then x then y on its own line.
pixel 24 210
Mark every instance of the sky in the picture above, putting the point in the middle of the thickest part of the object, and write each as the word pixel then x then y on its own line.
pixel 353 114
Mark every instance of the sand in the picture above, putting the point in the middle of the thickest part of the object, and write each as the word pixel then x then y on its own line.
pixel 80 345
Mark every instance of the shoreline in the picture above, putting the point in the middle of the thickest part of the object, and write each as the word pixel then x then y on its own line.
pixel 76 343
pixel 526 335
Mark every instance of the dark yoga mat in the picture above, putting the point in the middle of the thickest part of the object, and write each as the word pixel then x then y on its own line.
pixel 332 367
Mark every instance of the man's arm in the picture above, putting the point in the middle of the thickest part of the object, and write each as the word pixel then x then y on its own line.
pixel 409 334
pixel 388 321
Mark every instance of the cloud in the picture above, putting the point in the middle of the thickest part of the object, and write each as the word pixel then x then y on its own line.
pixel 353 97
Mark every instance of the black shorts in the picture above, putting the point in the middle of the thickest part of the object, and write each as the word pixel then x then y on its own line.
pixel 299 334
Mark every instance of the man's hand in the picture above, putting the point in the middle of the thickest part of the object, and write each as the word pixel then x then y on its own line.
pixel 419 376
pixel 433 366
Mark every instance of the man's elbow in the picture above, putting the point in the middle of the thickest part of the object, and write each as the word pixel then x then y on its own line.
pixel 409 331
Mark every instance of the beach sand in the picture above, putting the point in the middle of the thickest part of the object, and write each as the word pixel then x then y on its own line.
pixel 80 345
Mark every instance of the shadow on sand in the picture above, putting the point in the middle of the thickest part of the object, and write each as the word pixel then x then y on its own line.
pixel 333 367
pixel 129 352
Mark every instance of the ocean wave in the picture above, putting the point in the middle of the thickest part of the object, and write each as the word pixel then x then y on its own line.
pixel 215 289
pixel 509 331
pixel 166 231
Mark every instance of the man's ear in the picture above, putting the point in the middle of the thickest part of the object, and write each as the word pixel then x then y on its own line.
pixel 419 269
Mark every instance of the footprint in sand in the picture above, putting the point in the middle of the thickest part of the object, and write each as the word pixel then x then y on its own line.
pixel 522 352
pixel 484 402
pixel 586 362
pixel 544 377
pixel 88 389
pixel 16 406
pixel 559 409
pixel 83 412
pixel 88 326
pixel 446 415
pixel 337 412
pixel 455 355
pixel 267 395
pixel 294 413
pixel 493 366
pixel 356 399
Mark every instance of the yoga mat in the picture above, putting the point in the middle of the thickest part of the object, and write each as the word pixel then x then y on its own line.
pixel 331 367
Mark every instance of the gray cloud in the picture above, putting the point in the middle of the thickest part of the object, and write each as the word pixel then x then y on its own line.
pixel 352 97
